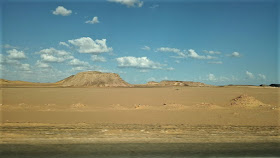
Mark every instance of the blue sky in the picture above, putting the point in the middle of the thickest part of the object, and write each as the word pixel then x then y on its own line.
pixel 215 42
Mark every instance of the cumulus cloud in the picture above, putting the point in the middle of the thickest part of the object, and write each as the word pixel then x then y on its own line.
pixel 25 67
pixel 261 76
pixel 5 60
pixel 78 63
pixel 14 54
pixel 184 54
pixel 89 68
pixel 215 62
pixel 97 58
pixel 167 49
pixel 140 63
pixel 93 21
pixel 64 44
pixel 146 48
pixel 88 45
pixel 212 77
pixel 55 52
pixel 172 50
pixel 54 55
pixel 211 52
pixel 51 58
pixel 129 3
pixel 60 10
pixel 194 55
pixel 235 54
pixel 41 64
pixel 250 74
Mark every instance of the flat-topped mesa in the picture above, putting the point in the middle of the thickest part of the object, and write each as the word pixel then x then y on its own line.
pixel 153 83
pixel 177 83
pixel 94 79
pixel 182 83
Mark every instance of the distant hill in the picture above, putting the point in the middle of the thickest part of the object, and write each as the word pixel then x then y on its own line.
pixel 177 83
pixel 8 82
pixel 100 79
pixel 64 80
pixel 94 79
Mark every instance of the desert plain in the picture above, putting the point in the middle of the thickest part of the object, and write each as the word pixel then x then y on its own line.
pixel 130 121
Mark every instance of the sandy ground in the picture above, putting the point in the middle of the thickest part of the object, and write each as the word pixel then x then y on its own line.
pixel 140 118
pixel 170 105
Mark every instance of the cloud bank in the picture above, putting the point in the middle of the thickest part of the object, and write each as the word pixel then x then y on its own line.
pixel 140 63
pixel 88 45
pixel 129 3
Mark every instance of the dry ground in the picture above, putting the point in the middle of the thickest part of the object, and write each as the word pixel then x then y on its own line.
pixel 139 122
pixel 165 105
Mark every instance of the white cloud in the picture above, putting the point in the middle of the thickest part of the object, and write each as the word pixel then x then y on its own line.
pixel 87 45
pixel 15 54
pixel 25 67
pixel 89 68
pixel 93 21
pixel 79 68
pixel 212 77
pixel 170 69
pixel 60 10
pixel 51 58
pixel 54 55
pixel 129 3
pixel 211 52
pixel 7 46
pixel 78 63
pixel 223 79
pixel 235 54
pixel 141 63
pixel 154 6
pixel 42 64
pixel 5 60
pixel 250 75
pixel 97 58
pixel 55 52
pixel 184 54
pixel 193 54
pixel 177 61
pixel 146 48
pixel 167 49
pixel 172 50
pixel 261 76
pixel 215 62
pixel 64 44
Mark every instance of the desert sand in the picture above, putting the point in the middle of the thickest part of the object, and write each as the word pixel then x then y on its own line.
pixel 138 120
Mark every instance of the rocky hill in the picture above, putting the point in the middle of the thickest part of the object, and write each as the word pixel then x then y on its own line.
pixel 7 82
pixel 94 79
pixel 177 83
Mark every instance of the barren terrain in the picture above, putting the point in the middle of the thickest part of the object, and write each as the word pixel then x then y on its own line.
pixel 159 120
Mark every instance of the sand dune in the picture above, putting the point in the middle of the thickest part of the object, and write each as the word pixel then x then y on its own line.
pixel 245 100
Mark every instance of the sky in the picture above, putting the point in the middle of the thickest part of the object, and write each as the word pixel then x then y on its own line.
pixel 210 41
